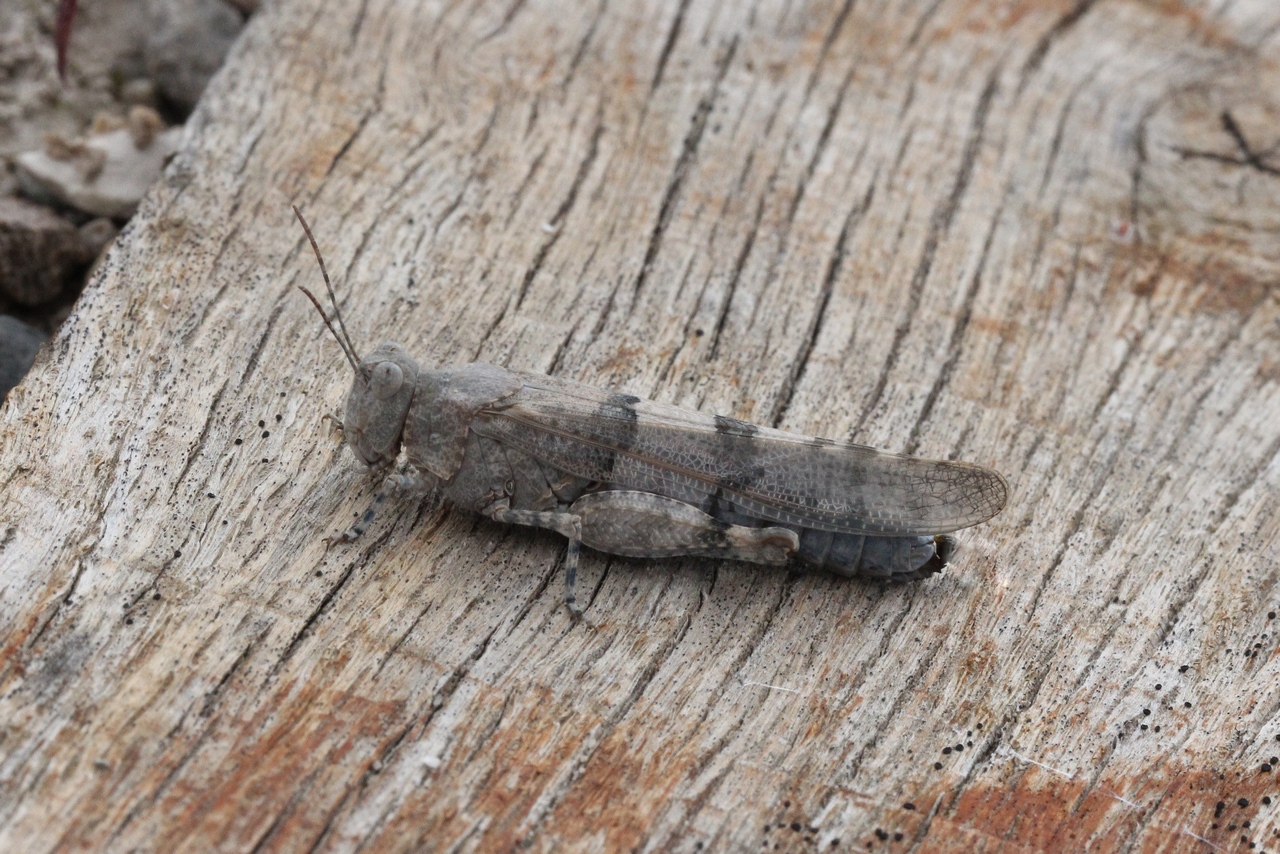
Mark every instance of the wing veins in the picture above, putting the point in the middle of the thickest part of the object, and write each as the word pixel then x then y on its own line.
pixel 856 464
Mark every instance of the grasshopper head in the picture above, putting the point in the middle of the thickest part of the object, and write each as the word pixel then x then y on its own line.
pixel 382 390
pixel 378 404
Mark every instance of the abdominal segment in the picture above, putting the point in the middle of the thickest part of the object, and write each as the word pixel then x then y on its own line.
pixel 888 558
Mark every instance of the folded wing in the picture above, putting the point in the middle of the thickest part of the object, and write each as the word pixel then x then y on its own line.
pixel 782 477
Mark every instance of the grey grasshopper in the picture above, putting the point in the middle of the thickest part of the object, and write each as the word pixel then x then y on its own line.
pixel 632 477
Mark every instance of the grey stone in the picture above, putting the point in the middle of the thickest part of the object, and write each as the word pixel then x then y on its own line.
pixel 187 42
pixel 18 345
pixel 106 49
pixel 97 234
pixel 40 252
pixel 141 91
pixel 105 174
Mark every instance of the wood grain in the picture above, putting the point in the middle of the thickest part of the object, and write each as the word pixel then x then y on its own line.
pixel 1042 237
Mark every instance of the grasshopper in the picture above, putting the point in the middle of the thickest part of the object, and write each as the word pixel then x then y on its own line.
pixel 637 478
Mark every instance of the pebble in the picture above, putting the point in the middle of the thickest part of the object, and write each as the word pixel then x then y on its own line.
pixel 186 45
pixel 106 173
pixel 18 345
pixel 40 252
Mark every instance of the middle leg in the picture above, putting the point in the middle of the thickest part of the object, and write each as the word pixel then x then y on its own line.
pixel 567 524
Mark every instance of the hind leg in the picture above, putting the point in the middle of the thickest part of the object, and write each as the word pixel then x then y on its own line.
pixel 641 524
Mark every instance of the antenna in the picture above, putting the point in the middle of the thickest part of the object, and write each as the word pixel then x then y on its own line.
pixel 344 340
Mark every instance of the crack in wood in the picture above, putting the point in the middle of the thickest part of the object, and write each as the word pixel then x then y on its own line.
pixel 1061 27
pixel 735 276
pixel 323 606
pixel 507 18
pixel 581 52
pixel 675 183
pixel 835 263
pixel 955 346
pixel 346 146
pixel 673 33
pixel 939 226
pixel 557 221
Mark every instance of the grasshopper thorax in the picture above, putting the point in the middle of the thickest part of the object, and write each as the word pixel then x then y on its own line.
pixel 378 403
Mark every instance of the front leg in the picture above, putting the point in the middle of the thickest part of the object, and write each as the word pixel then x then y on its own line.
pixel 357 530
pixel 413 482
pixel 566 524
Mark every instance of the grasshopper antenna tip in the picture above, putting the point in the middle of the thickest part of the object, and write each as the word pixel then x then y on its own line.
pixel 344 340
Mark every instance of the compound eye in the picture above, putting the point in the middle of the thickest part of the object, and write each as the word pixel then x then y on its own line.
pixel 386 380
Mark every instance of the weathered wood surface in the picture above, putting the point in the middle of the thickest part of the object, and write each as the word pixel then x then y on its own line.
pixel 1040 236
